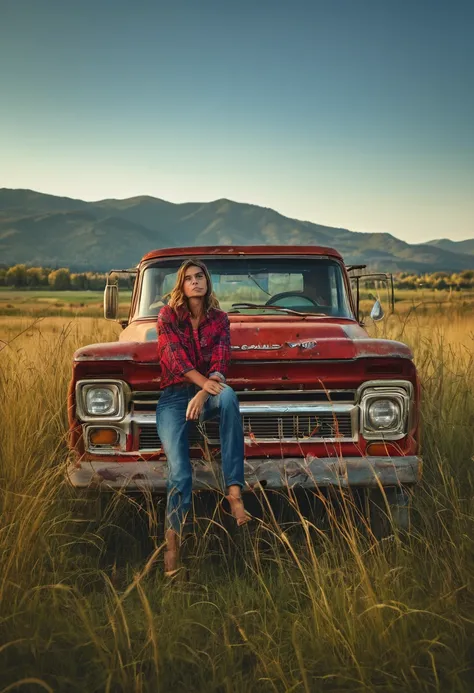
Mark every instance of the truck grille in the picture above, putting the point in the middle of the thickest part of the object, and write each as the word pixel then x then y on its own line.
pixel 265 428
pixel 291 427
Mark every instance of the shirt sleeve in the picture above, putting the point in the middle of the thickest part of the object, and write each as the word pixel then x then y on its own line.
pixel 173 356
pixel 220 354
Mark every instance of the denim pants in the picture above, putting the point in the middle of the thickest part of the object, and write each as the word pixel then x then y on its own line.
pixel 173 431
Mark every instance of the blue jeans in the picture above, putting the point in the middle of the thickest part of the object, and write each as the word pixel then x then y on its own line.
pixel 173 431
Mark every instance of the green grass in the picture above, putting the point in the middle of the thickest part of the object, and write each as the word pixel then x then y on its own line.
pixel 49 296
pixel 26 295
pixel 59 303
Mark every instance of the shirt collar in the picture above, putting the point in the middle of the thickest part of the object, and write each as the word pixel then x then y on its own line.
pixel 184 314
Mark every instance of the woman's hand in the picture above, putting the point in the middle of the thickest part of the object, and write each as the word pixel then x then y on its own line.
pixel 196 405
pixel 213 387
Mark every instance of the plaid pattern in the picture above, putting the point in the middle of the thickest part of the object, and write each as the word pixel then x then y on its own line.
pixel 177 348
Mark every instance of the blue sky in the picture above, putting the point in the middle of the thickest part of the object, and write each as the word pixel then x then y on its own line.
pixel 353 113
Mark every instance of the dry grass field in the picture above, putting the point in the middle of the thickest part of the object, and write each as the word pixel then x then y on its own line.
pixel 316 606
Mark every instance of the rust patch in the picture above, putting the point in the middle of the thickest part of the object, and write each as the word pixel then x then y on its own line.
pixel 309 472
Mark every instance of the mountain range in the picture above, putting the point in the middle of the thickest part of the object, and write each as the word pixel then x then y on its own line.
pixel 45 230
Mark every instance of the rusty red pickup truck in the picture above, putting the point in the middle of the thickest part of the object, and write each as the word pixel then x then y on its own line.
pixel 322 403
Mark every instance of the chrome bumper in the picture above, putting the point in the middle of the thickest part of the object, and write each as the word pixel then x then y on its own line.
pixel 309 472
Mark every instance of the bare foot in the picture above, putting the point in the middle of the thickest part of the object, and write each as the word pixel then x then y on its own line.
pixel 237 507
pixel 171 555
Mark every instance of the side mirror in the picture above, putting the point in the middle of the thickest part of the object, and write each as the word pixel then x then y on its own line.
pixel 111 302
pixel 374 278
pixel 377 311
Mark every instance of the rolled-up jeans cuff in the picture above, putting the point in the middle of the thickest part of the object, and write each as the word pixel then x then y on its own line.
pixel 233 482
pixel 219 375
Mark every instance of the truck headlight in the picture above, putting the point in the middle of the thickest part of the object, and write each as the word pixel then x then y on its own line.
pixel 101 400
pixel 385 409
pixel 383 414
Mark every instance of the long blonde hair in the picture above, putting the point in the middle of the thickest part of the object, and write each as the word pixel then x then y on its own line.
pixel 176 297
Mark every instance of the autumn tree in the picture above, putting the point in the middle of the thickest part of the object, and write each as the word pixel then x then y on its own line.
pixel 79 281
pixel 17 276
pixel 34 276
pixel 60 279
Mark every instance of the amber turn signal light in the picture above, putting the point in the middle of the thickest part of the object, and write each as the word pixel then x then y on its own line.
pixel 384 450
pixel 103 436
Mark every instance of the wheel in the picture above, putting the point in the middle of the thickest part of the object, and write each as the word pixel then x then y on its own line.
pixel 389 511
pixel 87 506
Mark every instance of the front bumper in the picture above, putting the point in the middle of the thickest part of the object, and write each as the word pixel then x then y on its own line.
pixel 309 472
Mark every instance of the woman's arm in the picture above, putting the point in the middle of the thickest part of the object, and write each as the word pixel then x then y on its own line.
pixel 210 385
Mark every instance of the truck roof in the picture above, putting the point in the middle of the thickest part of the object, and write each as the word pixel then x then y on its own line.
pixel 242 250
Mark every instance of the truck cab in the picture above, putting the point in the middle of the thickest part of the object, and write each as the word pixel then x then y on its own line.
pixel 323 404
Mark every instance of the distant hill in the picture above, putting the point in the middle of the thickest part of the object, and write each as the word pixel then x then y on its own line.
pixel 39 229
pixel 454 246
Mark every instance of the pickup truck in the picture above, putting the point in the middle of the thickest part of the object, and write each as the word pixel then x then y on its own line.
pixel 323 404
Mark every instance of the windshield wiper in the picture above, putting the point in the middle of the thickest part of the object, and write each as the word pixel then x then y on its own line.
pixel 250 276
pixel 270 307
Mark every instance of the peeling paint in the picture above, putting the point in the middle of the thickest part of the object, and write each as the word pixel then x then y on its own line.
pixel 280 250
pixel 309 472
pixel 321 342
pixel 303 344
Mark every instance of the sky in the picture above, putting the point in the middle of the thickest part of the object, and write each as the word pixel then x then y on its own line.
pixel 351 113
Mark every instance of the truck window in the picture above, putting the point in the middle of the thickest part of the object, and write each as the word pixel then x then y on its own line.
pixel 303 284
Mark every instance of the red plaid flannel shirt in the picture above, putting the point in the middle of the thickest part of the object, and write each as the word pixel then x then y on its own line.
pixel 177 348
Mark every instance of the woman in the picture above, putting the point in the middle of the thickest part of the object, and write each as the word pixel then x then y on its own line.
pixel 194 350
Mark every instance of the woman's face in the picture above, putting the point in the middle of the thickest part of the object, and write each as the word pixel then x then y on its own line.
pixel 195 283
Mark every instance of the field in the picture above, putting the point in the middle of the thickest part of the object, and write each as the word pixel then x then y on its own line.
pixel 318 605
pixel 62 303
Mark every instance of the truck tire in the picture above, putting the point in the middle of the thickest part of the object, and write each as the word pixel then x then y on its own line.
pixel 389 511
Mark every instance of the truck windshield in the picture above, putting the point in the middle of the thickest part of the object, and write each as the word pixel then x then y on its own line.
pixel 306 285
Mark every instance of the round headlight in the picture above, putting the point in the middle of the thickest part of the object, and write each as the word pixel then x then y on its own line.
pixel 383 413
pixel 100 401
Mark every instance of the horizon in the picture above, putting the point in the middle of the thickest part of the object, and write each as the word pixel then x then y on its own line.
pixel 350 116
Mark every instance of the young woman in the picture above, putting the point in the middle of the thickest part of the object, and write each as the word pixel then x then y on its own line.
pixel 194 350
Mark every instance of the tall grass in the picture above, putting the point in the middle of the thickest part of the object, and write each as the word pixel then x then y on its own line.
pixel 311 605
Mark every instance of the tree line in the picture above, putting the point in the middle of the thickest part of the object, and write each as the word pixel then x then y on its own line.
pixel 455 281
pixel 62 279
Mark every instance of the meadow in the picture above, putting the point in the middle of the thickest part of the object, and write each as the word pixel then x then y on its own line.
pixel 314 605
pixel 44 303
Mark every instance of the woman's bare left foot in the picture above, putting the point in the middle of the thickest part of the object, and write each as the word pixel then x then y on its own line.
pixel 171 555
pixel 237 508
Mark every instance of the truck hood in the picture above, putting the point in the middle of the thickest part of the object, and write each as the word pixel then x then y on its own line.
pixel 280 340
